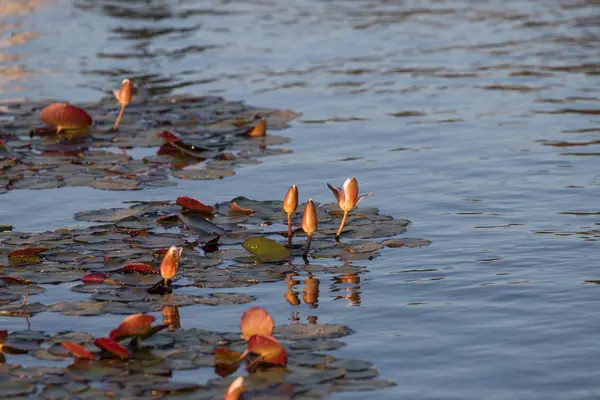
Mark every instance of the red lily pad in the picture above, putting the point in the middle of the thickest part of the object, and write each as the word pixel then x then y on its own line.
pixel 94 278
pixel 234 208
pixel 134 325
pixel 256 321
pixel 141 268
pixel 77 350
pixel 268 349
pixel 169 136
pixel 193 204
pixel 26 254
pixel 112 347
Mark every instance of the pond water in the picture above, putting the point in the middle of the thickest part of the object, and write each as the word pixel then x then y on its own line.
pixel 477 120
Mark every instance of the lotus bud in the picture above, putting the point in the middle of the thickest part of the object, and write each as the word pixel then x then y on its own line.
pixel 235 389
pixel 347 198
pixel 170 263
pixel 124 98
pixel 309 224
pixel 290 203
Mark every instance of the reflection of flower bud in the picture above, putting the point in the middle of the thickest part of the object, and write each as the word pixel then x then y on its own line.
pixel 292 298
pixel 290 203
pixel 309 219
pixel 311 291
pixel 170 263
pixel 170 316
pixel 124 94
pixel 312 319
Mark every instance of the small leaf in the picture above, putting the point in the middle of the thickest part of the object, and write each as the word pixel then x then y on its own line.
pixel 256 321
pixel 77 350
pixel 267 249
pixel 3 335
pixel 168 136
pixel 141 268
pixel 269 350
pixel 200 224
pixel 95 278
pixel 235 389
pixel 112 347
pixel 23 254
pixel 193 204
pixel 226 361
pixel 134 325
pixel 234 208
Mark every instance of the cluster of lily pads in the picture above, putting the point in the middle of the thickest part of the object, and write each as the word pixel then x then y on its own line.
pixel 195 138
pixel 137 359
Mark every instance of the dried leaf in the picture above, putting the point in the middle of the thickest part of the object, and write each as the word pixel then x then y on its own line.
pixel 256 321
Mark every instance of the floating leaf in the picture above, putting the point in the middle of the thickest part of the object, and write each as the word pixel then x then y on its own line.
pixel 269 350
pixel 169 136
pixel 267 249
pixel 94 278
pixel 235 389
pixel 141 268
pixel 200 224
pixel 193 204
pixel 65 116
pixel 234 208
pixel 27 254
pixel 112 347
pixel 226 361
pixel 256 321
pixel 134 325
pixel 15 280
pixel 77 350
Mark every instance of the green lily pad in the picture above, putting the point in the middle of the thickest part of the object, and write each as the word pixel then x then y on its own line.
pixel 266 249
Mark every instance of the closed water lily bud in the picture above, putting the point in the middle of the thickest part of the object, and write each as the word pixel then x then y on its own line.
pixel 350 190
pixel 309 219
pixel 290 203
pixel 170 263
pixel 124 94
pixel 260 129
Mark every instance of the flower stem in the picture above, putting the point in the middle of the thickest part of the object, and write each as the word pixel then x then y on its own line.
pixel 339 232
pixel 307 247
pixel 289 230
pixel 116 125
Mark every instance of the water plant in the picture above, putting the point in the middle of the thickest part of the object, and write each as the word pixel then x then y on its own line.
pixel 260 129
pixel 348 199
pixel 123 96
pixel 235 389
pixel 64 116
pixel 290 203
pixel 170 264
pixel 309 224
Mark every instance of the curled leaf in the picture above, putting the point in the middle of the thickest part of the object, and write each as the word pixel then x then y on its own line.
pixel 77 350
pixel 95 278
pixel 256 321
pixel 234 208
pixel 65 116
pixel 141 268
pixel 260 129
pixel 26 253
pixel 133 325
pixel 169 137
pixel 193 204
pixel 235 389
pixel 269 350
pixel 112 347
